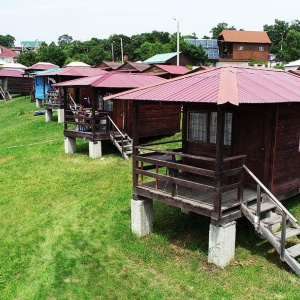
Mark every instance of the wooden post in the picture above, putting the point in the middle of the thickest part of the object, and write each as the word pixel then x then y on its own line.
pixel 135 141
pixel 219 159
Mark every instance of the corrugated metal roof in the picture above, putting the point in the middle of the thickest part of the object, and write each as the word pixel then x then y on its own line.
pixel 114 80
pixel 42 66
pixel 5 52
pixel 11 73
pixel 130 66
pixel 160 58
pixel 233 84
pixel 74 71
pixel 245 36
pixel 178 70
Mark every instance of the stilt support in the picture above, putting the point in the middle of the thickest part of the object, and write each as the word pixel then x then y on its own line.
pixel 70 145
pixel 95 149
pixel 142 216
pixel 222 244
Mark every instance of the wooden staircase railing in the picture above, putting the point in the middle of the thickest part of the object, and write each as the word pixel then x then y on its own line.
pixel 274 222
pixel 121 140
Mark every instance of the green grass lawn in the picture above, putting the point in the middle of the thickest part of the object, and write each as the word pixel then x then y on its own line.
pixel 65 229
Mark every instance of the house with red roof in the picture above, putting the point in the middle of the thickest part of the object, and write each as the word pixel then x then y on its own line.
pixel 7 55
pixel 239 156
pixel 88 117
pixel 14 82
pixel 167 71
pixel 238 46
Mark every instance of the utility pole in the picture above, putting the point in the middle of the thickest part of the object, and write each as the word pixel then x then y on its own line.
pixel 177 41
pixel 112 51
pixel 122 50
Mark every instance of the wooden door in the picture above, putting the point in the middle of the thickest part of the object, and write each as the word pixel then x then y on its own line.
pixel 119 113
pixel 251 139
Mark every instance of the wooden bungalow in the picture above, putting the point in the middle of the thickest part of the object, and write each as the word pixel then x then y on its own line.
pixel 132 67
pixel 112 120
pixel 13 82
pixel 53 98
pixel 167 71
pixel 238 46
pixel 239 155
pixel 108 65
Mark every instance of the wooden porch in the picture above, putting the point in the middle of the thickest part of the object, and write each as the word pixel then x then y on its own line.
pixel 170 177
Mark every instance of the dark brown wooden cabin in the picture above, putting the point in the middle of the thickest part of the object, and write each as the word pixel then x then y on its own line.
pixel 107 119
pixel 240 130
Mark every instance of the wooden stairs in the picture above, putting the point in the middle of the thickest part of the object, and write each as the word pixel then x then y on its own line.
pixel 275 223
pixel 4 95
pixel 120 139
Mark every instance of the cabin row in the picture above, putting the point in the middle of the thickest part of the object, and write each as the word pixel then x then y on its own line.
pixel 239 155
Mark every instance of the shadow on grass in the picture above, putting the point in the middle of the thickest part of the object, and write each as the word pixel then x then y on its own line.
pixel 82 147
pixel 191 231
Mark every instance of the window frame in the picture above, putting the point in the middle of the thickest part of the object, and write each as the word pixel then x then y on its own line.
pixel 261 48
pixel 240 48
pixel 210 133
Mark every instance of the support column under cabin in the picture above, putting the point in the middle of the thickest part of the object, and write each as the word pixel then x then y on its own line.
pixel 221 247
pixel 70 145
pixel 141 208
pixel 48 115
pixel 60 115
pixel 95 149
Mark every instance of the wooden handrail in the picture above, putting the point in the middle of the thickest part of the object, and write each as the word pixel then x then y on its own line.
pixel 272 197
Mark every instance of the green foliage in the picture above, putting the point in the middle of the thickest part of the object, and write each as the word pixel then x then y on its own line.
pixel 7 41
pixel 27 58
pixel 291 46
pixel 218 29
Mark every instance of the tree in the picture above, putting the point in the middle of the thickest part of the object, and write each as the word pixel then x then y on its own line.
pixel 52 53
pixel 290 47
pixel 27 58
pixel 7 41
pixel 277 33
pixel 218 29
pixel 64 39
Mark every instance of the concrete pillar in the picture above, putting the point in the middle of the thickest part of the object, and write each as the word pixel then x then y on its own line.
pixel 60 115
pixel 221 246
pixel 38 103
pixel 70 145
pixel 95 149
pixel 142 216
pixel 48 115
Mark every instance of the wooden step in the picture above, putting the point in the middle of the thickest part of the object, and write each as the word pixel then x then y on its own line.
pixel 265 206
pixel 290 232
pixel 294 251
pixel 275 219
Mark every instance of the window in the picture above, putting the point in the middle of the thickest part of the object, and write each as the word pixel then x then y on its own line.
pixel 250 48
pixel 240 48
pixel 261 48
pixel 202 127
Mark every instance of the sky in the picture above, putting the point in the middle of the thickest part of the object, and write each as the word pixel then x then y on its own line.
pixel 46 20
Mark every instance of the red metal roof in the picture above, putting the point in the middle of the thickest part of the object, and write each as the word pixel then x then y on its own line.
pixel 11 73
pixel 75 71
pixel 176 70
pixel 5 52
pixel 242 36
pixel 130 66
pixel 223 84
pixel 114 80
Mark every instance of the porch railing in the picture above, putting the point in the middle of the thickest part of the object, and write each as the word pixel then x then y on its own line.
pixel 190 171
pixel 97 123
